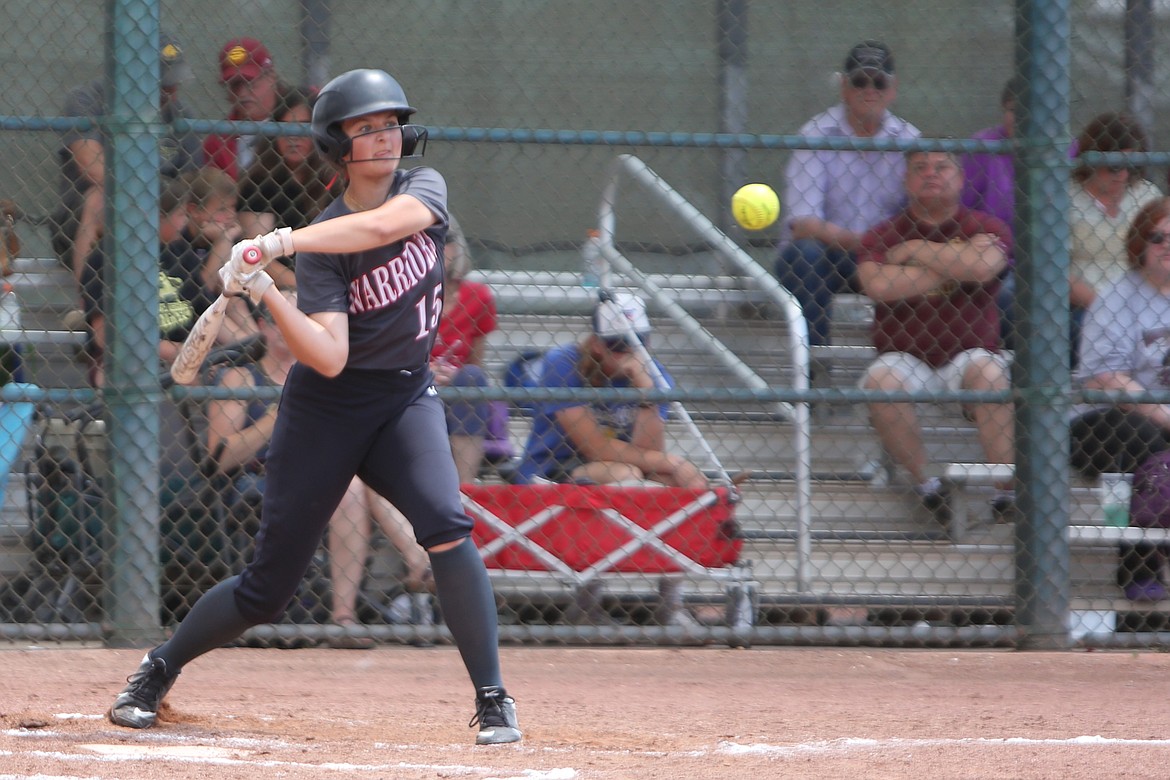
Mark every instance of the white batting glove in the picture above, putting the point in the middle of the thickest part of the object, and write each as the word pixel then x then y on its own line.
pixel 253 284
pixel 272 245
pixel 276 244
pixel 236 261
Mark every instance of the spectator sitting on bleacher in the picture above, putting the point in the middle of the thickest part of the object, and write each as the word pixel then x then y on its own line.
pixel 989 185
pixel 604 441
pixel 1103 201
pixel 176 314
pixel 831 197
pixel 238 436
pixel 205 244
pixel 933 271
pixel 1125 346
pixel 288 184
pixel 77 221
pixel 248 74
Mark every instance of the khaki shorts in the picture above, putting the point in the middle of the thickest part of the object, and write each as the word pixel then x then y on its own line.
pixel 918 375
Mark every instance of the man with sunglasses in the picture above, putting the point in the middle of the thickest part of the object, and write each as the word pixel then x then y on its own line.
pixel 833 197
pixel 603 441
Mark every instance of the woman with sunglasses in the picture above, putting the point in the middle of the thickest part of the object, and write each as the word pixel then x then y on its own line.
pixel 1104 200
pixel 1125 346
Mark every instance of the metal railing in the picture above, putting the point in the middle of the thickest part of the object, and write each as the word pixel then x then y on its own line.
pixel 630 167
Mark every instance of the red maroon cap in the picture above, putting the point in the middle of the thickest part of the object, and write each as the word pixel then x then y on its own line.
pixel 243 58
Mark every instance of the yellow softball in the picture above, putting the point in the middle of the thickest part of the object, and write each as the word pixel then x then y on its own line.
pixel 755 206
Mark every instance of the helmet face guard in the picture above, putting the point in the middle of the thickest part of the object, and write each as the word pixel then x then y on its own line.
pixel 414 143
pixel 358 93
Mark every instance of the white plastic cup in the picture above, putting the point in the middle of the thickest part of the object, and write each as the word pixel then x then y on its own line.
pixel 1115 494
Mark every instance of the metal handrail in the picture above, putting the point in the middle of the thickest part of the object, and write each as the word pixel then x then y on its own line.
pixel 639 172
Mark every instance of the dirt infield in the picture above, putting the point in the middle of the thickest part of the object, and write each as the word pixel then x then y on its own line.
pixel 609 714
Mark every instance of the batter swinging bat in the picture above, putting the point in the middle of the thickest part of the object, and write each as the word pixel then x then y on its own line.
pixel 201 339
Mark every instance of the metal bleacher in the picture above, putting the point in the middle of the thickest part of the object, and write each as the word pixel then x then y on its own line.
pixel 873 546
pixel 869 545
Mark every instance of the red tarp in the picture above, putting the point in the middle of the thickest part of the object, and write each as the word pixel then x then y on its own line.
pixel 577 524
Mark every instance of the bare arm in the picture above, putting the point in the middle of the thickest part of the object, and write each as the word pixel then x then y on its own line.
pixel 1121 381
pixel 237 324
pixel 254 223
pixel 826 232
pixel 979 259
pixel 887 283
pixel 397 218
pixel 320 341
pixel 227 425
pixel 917 267
pixel 1080 293
pixel 89 229
pixel 90 159
pixel 591 440
pixel 478 349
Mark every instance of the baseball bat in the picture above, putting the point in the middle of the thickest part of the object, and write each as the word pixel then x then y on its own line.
pixel 197 345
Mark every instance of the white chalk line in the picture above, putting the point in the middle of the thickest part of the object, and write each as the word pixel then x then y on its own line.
pixel 237 751
pixel 847 745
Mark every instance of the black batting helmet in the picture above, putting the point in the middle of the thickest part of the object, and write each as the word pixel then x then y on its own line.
pixel 357 93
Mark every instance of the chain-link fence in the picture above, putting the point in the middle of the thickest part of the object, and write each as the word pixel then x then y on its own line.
pixel 803 433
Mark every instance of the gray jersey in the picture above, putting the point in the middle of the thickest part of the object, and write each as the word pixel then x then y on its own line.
pixel 393 294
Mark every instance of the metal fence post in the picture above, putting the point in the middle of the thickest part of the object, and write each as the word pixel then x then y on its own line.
pixel 1041 373
pixel 133 125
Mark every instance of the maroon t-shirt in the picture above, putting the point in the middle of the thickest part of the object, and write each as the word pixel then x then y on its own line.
pixel 938 326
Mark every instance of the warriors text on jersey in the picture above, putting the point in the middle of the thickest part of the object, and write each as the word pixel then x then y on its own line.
pixel 394 293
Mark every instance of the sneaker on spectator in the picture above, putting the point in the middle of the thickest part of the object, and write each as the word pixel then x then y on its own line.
pixel 495 713
pixel 1145 591
pixel 933 496
pixel 1003 507
pixel 74 319
pixel 137 705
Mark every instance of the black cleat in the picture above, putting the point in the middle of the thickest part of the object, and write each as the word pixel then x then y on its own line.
pixel 137 705
pixel 495 712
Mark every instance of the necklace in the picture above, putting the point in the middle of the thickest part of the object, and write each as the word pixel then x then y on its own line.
pixel 352 204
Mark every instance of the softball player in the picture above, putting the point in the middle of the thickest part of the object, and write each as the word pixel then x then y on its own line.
pixel 359 401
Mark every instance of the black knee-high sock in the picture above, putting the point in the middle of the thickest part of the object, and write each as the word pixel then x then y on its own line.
pixel 469 609
pixel 212 622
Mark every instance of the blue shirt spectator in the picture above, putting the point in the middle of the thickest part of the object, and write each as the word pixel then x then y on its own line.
pixel 604 442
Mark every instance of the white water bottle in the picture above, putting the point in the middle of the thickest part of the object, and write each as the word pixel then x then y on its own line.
pixel 593 267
